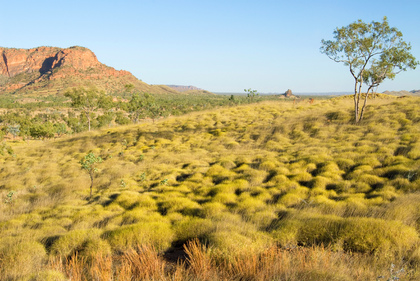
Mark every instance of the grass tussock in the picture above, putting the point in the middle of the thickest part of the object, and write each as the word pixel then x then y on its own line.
pixel 269 191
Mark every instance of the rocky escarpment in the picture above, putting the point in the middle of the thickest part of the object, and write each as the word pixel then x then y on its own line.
pixel 52 70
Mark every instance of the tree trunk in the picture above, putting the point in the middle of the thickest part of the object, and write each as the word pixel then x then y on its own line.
pixel 364 104
pixel 91 184
pixel 356 103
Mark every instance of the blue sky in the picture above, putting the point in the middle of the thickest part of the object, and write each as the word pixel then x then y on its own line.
pixel 220 46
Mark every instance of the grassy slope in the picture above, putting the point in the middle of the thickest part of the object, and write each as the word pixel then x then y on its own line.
pixel 240 179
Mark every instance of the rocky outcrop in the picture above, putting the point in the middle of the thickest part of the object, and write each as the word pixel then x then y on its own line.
pixel 288 94
pixel 56 69
pixel 44 59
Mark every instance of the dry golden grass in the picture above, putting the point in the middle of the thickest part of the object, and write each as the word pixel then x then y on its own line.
pixel 272 191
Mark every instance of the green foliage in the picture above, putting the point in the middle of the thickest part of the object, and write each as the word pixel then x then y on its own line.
pixel 9 197
pixel 89 164
pixel 41 131
pixel 251 94
pixel 373 52
pixel 88 100
pixel 6 148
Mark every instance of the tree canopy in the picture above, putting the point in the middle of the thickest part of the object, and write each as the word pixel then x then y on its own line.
pixel 89 100
pixel 373 52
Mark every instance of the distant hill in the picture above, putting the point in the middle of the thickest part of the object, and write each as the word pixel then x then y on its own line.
pixel 181 88
pixel 403 93
pixel 52 70
pixel 192 90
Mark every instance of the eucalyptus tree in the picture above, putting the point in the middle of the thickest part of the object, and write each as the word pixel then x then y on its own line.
pixel 251 94
pixel 89 100
pixel 137 107
pixel 89 164
pixel 373 52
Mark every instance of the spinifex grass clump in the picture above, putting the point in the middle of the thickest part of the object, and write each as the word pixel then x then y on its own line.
pixel 283 192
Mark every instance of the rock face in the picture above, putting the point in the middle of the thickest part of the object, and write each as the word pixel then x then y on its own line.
pixel 288 93
pixel 52 70
pixel 44 59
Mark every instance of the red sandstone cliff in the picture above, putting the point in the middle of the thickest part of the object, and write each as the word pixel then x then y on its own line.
pixel 52 70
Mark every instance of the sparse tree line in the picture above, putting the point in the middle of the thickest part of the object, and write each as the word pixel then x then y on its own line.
pixel 84 109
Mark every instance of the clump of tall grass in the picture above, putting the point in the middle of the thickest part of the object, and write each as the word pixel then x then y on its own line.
pixel 21 258
pixel 87 242
pixel 365 235
pixel 159 234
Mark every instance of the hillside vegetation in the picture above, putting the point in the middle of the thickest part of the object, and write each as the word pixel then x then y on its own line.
pixel 268 191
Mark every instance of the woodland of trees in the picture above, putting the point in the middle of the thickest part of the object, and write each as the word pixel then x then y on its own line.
pixel 84 109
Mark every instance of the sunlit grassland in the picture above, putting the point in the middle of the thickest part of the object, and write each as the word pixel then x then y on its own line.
pixel 270 191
